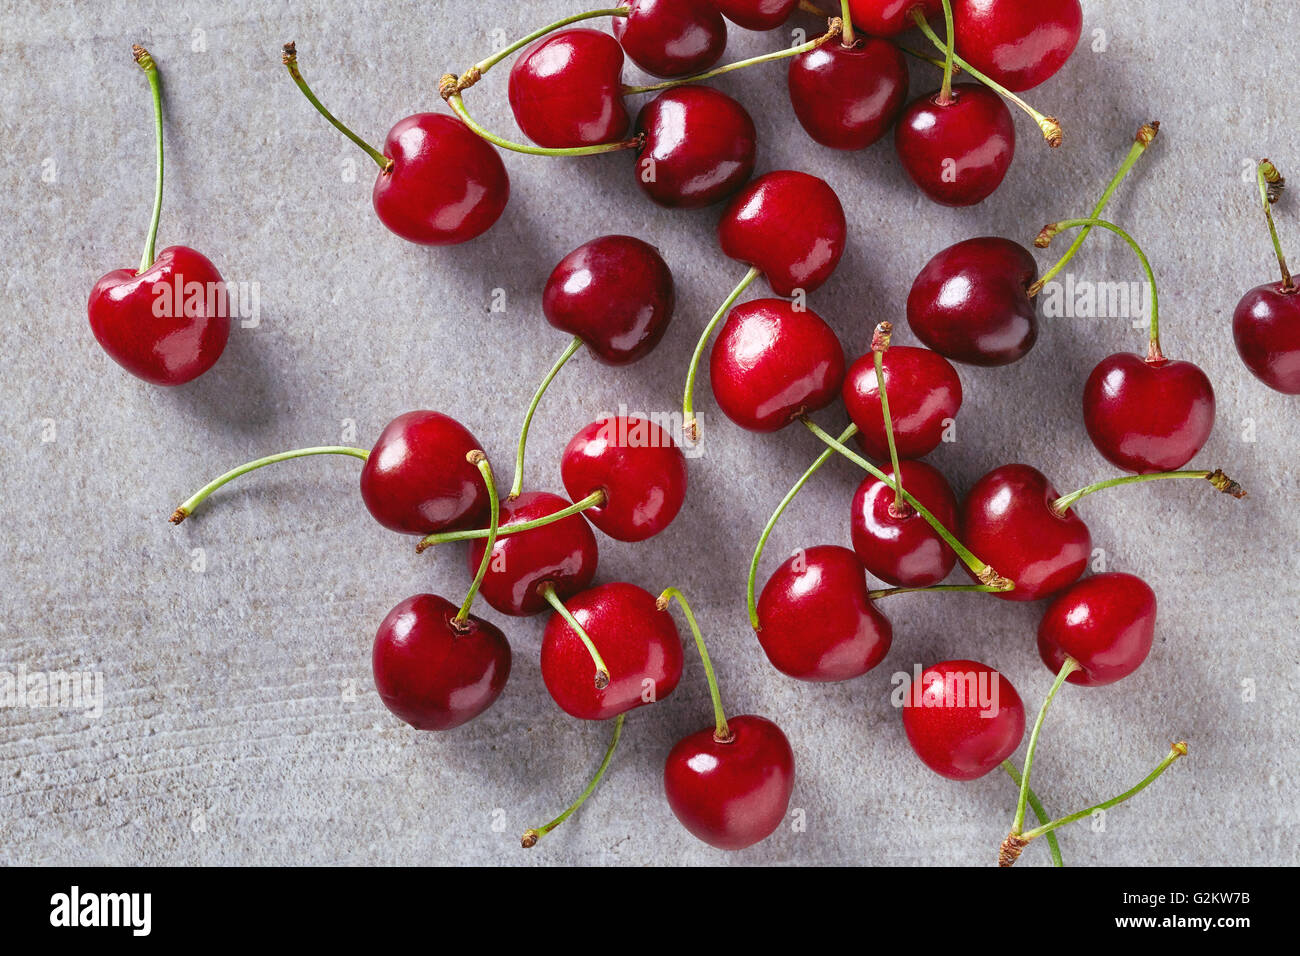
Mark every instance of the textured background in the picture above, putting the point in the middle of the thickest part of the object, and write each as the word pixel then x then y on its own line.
pixel 240 721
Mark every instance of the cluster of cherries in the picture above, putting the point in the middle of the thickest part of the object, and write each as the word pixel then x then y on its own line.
pixel 611 648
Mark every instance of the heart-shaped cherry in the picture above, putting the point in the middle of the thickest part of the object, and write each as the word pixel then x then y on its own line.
pixel 817 622
pixel 963 718
pixel 887 18
pixel 1019 43
pixel 957 150
pixel 1106 623
pixel 672 37
pixel 756 14
pixel 566 90
pixel 847 95
pixel 698 147
pixel 924 397
pixel 891 539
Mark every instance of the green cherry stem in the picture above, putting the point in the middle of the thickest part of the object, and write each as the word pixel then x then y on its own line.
pixel 458 107
pixel 721 732
pixel 1270 190
pixel 517 485
pixel 531 836
pixel 193 501
pixel 1018 821
pixel 945 90
pixel 689 425
pixel 1216 477
pixel 147 64
pixel 547 590
pixel 1039 811
pixel 289 57
pixel 879 345
pixel 479 460
pixel 846 24
pixel 593 500
pixel 475 72
pixel 890 592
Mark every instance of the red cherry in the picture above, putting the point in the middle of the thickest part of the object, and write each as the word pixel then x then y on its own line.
pixel 970 303
pixel 698 147
pixel 615 293
pixel 1008 522
pixel 816 620
pixel 1018 43
pixel 957 152
pixel 731 794
pixel 562 554
pixel 434 674
pixel 790 226
pixel 1266 327
pixel 566 90
pixel 639 468
pixel 899 546
pixel 847 97
pixel 773 362
pixel 1105 622
pixel 417 479
pixel 672 37
pixel 638 642
pixel 887 18
pixel 968 719
pixel 924 396
pixel 185 340
pixel 1146 416
pixel 756 14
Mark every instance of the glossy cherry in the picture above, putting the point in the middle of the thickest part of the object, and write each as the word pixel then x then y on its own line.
pixel 816 620
pixel 924 397
pixel 735 793
pixel 967 719
pixel 887 18
pixel 896 544
pixel 566 90
pixel 957 152
pixel 772 362
pixel 1266 328
pixel 638 642
pixel 790 226
pixel 638 467
pixel 756 14
pixel 434 673
pixel 1008 521
pixel 847 97
pixel 1105 622
pixel 698 147
pixel 1018 43
pixel 971 302
pixel 672 37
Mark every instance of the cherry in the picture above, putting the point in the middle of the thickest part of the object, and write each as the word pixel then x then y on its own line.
pixel 887 18
pixel 1105 623
pixel 672 37
pixel 756 14
pixel 964 719
pixel 924 397
pixel 817 622
pixel 638 469
pixel 698 147
pixel 1017 42
pixel 847 95
pixel 637 640
pixel 773 362
pixel 970 303
pixel 566 90
pixel 894 542
pixel 957 151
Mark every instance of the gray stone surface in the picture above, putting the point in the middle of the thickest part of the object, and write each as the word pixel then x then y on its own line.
pixel 230 733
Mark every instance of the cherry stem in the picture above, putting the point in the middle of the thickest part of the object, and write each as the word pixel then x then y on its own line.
pixel 1271 184
pixel 531 836
pixel 1217 478
pixel 147 64
pixel 917 55
pixel 1145 135
pixel 478 459
pixel 1067 668
pixel 1049 125
pixel 879 345
pixel 475 72
pixel 547 590
pixel 517 485
pixel 689 425
pixel 887 592
pixel 187 507
pixel 984 573
pixel 1039 811
pixel 289 57
pixel 945 91
pixel 776 516
pixel 721 732
pixel 835 27
pixel 593 500
pixel 457 105
pixel 846 24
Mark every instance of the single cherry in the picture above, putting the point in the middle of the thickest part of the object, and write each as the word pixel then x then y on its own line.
pixel 887 18
pixel 1018 43
pixel 957 151
pixel 924 397
pixel 698 147
pixel 672 37
pixel 756 14
pixel 891 539
pixel 566 90
pixel 964 719
pixel 817 621
pixel 847 96
pixel 1105 622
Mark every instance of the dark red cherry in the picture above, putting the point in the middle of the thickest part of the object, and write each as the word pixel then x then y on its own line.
pixel 672 37
pixel 1266 327
pixel 887 18
pixel 897 545
pixel 698 147
pixel 639 468
pixel 1105 622
pixel 434 673
pixel 1007 521
pixel 772 362
pixel 816 619
pixel 971 302
pixel 756 14
pixel 562 554
pixel 957 153
pixel 615 293
pixel 924 396
pixel 1018 43
pixel 847 97
pixel 790 226
pixel 168 324
pixel 638 642
pixel 567 90
pixel 731 794
pixel 417 479
pixel 964 719
pixel 1146 416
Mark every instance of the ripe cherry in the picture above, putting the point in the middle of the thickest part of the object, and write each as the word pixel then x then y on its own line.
pixel 887 18
pixel 924 397
pixel 1018 43
pixel 566 90
pixel 958 150
pixel 847 95
pixel 891 539
pixel 672 37
pixel 756 14
pixel 698 147
pixel 963 719
pixel 1105 622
